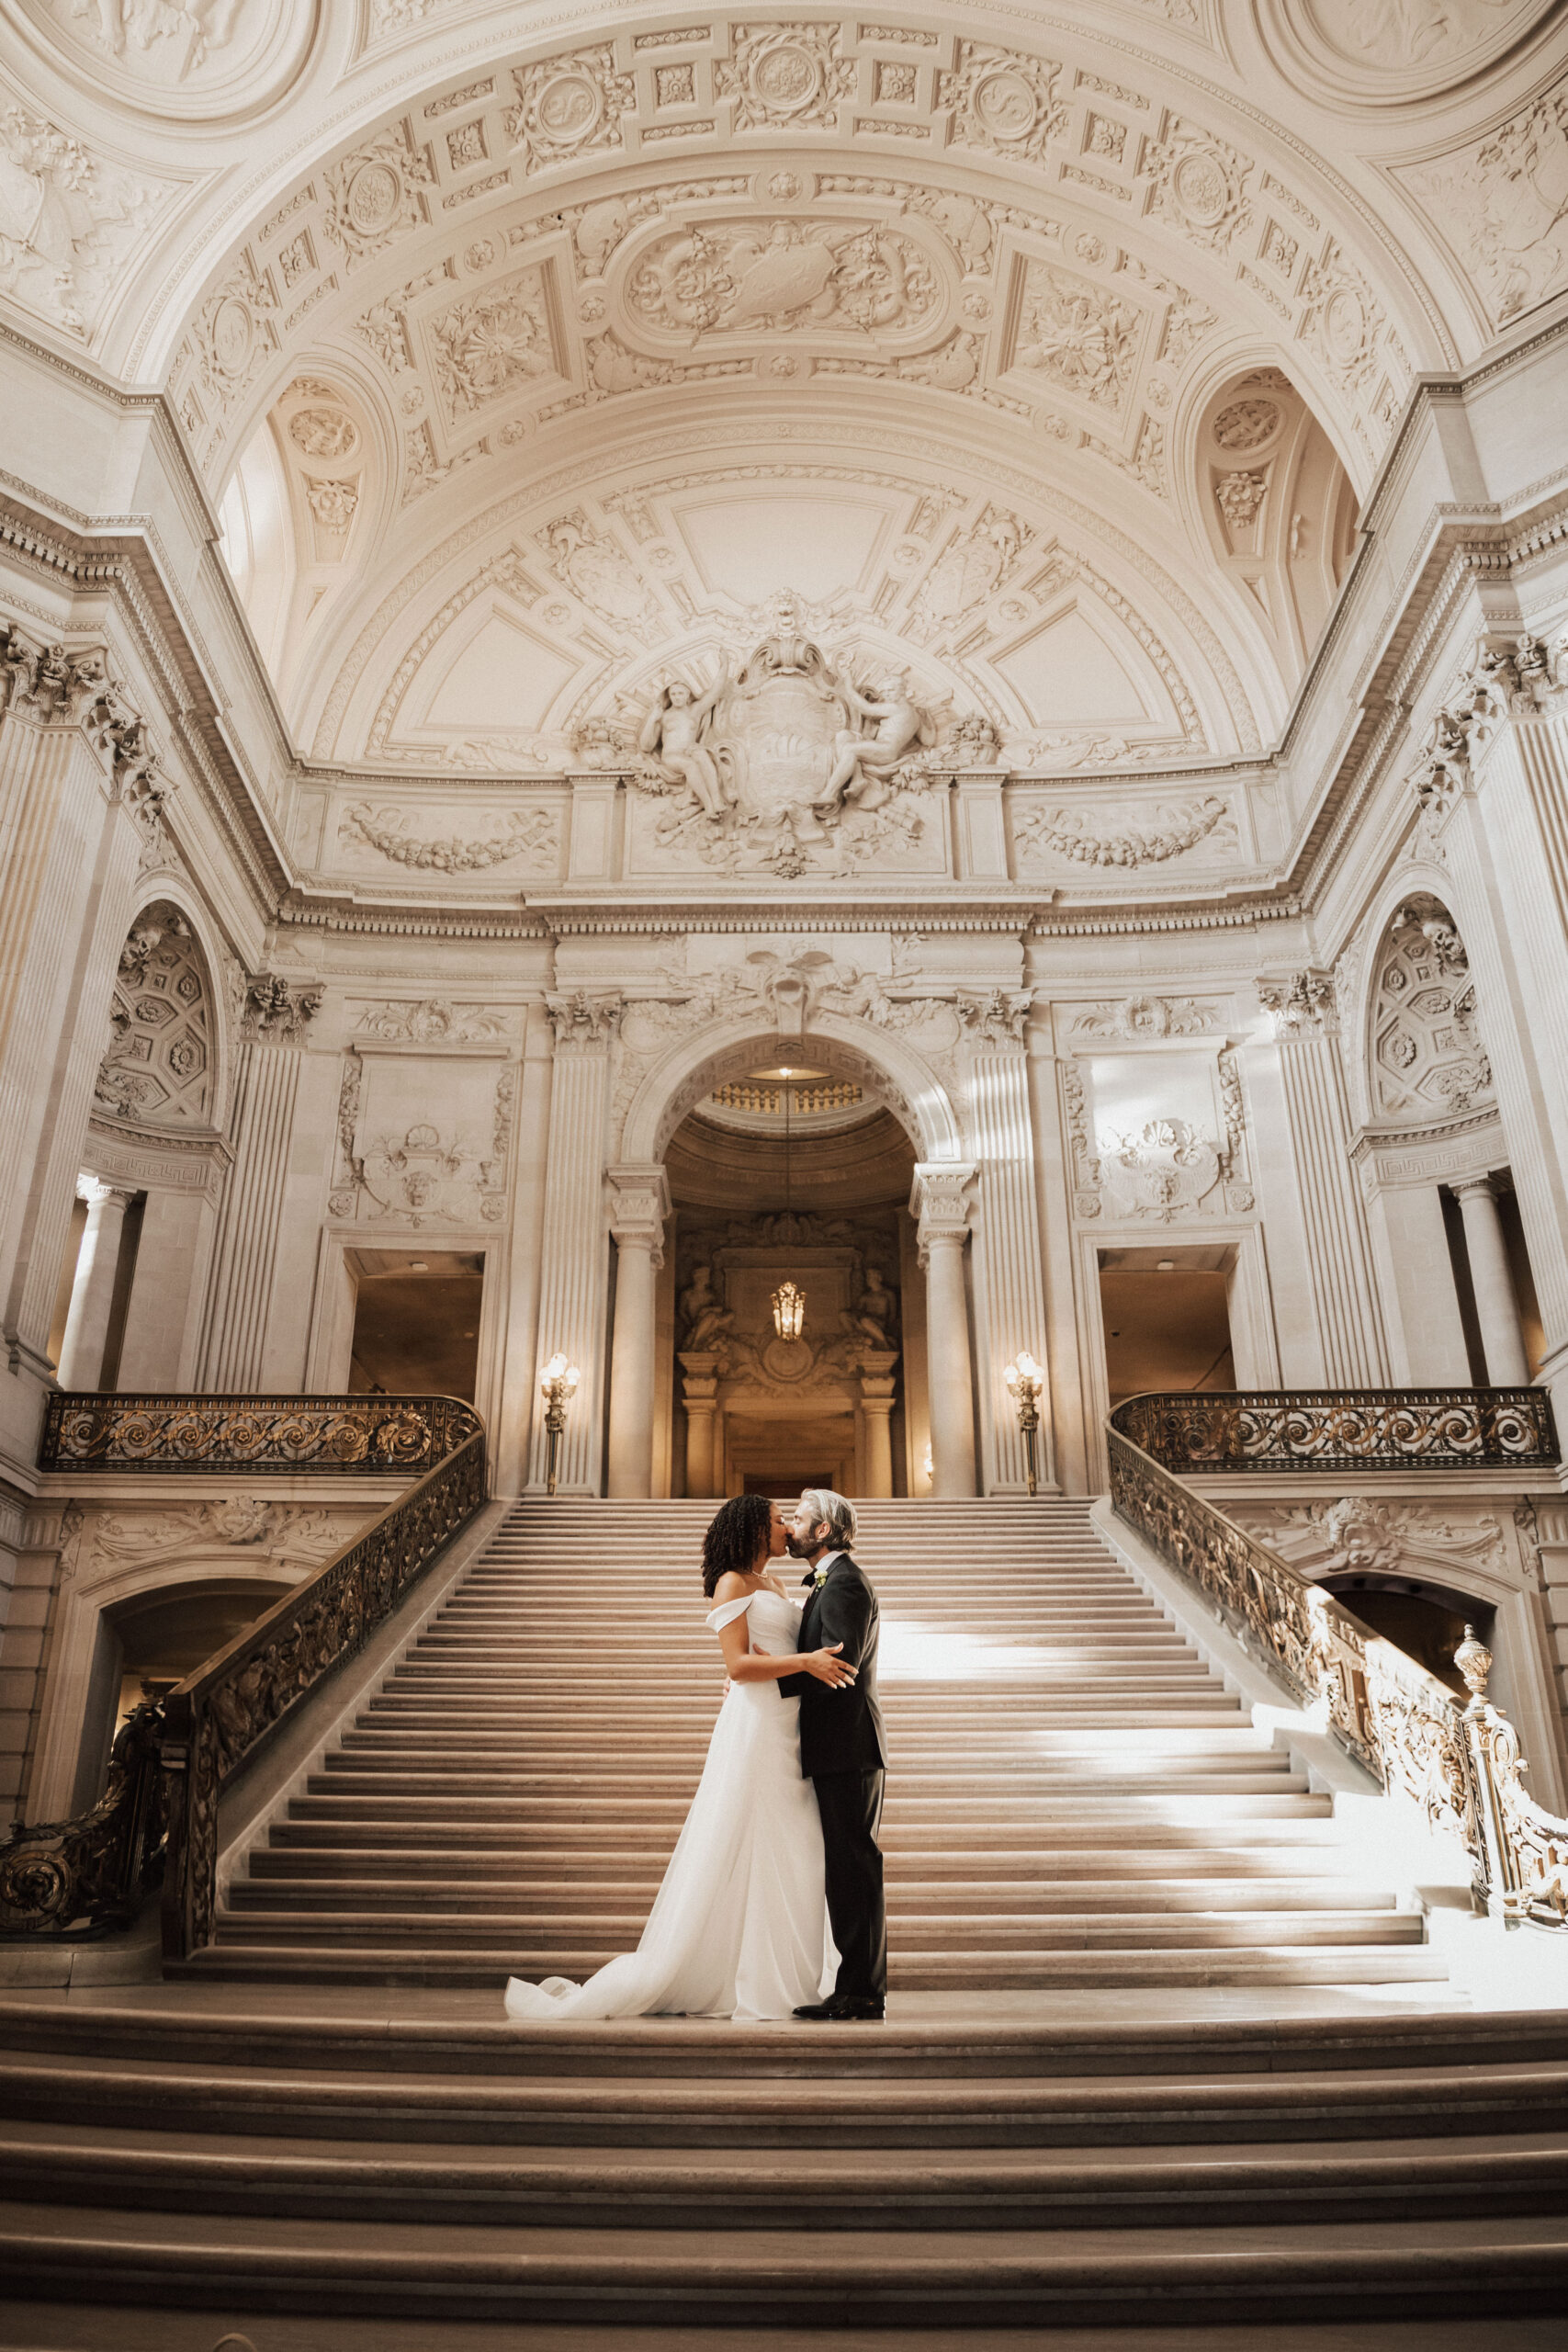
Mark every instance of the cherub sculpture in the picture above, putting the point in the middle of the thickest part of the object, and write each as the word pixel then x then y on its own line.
pixel 864 762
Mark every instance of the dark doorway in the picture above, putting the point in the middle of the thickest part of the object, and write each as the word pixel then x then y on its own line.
pixel 1425 1621
pixel 1167 1320
pixel 764 1482
pixel 416 1322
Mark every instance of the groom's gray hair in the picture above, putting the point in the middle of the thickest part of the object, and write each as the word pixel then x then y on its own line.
pixel 837 1509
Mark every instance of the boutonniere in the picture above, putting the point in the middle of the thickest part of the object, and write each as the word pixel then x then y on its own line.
pixel 820 1578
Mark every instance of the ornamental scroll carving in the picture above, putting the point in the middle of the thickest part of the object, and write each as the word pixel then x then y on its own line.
pixel 1526 678
pixel 425 1142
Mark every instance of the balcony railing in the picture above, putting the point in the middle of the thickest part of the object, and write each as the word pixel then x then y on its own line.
pixel 1344 1428
pixel 1460 1764
pixel 331 1436
pixel 171 1763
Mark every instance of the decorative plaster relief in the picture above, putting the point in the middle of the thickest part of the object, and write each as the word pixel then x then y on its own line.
pixel 789 764
pixel 1085 341
pixel 375 194
pixel 69 220
pixel 161 1066
pixel 433 1021
pixel 189 60
pixel 1003 101
pixel 532 835
pixel 775 275
pixel 1147 1017
pixel 1502 204
pixel 241 1522
pixel 569 106
pixel 1198 184
pixel 492 343
pixel 423 1140
pixel 1357 1534
pixel 785 76
pixel 1163 833
pixel 1428 1061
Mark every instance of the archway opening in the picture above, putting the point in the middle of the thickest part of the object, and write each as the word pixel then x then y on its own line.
pixel 791 1173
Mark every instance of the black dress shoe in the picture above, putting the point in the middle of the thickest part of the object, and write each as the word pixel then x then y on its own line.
pixel 839 2007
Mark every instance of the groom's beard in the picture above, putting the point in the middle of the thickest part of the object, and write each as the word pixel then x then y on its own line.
pixel 797 1546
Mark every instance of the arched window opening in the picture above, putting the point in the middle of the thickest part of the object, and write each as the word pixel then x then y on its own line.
pixel 1278 506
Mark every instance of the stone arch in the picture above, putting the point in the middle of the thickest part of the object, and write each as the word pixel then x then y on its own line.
pixel 164 1065
pixel 889 1070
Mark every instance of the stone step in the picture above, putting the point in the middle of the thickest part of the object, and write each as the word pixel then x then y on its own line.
pixel 303 1959
pixel 334 1802
pixel 1373 2271
pixel 325 1852
pixel 616 1902
pixel 832 2190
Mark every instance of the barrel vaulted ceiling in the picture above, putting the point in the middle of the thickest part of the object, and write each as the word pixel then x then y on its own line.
pixel 533 354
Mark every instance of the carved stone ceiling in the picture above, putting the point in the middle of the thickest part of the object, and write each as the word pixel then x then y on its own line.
pixel 534 367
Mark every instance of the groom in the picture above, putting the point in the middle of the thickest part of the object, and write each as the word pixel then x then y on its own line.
pixel 841 1751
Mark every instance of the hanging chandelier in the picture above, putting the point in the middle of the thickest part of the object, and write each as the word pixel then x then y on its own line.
pixel 788 1302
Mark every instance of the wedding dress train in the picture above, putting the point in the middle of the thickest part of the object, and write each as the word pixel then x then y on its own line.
pixel 739 1927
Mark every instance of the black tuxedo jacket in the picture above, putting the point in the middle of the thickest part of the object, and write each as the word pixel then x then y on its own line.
pixel 840 1731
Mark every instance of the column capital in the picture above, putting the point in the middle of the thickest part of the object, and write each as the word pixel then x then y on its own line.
pixel 97 1191
pixel 278 1011
pixel 585 1023
pixel 937 1200
pixel 639 1205
pixel 1301 1005
pixel 1473 1187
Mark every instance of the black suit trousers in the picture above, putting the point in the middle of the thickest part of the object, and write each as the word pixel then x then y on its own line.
pixel 850 1807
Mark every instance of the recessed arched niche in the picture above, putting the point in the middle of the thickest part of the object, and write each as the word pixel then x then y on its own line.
pixel 1278 507
pixel 160 1068
pixel 1427 1060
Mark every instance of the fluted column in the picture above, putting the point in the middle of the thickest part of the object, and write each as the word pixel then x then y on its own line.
pixel 1491 1279
pixel 1009 1281
pixel 1345 1313
pixel 92 1292
pixel 575 1273
pixel 271 1052
pixel 639 1202
pixel 938 1202
pixel 1494 789
pixel 80 793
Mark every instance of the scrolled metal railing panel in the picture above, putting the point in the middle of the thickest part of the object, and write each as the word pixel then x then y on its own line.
pixel 331 1436
pixel 1458 1763
pixel 226 1713
pixel 91 1874
pixel 1344 1428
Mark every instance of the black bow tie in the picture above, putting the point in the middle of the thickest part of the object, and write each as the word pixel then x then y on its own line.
pixel 811 1577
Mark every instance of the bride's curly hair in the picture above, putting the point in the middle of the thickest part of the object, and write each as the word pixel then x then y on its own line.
pixel 738 1533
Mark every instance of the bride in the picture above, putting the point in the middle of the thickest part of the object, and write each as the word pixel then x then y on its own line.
pixel 739 1927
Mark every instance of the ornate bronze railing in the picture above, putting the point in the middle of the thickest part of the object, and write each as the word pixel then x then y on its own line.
pixel 87 1876
pixel 1460 1764
pixel 171 1763
pixel 334 1436
pixel 227 1712
pixel 1344 1428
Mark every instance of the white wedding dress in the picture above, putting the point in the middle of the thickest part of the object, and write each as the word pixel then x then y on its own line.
pixel 739 1927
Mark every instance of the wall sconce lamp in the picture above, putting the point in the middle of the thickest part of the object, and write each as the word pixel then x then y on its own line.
pixel 557 1384
pixel 1026 1385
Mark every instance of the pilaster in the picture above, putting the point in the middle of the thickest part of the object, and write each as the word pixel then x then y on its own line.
pixel 576 1266
pixel 1346 1311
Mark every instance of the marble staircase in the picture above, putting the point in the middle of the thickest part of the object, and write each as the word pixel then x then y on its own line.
pixel 1074 1799
pixel 1155 2061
